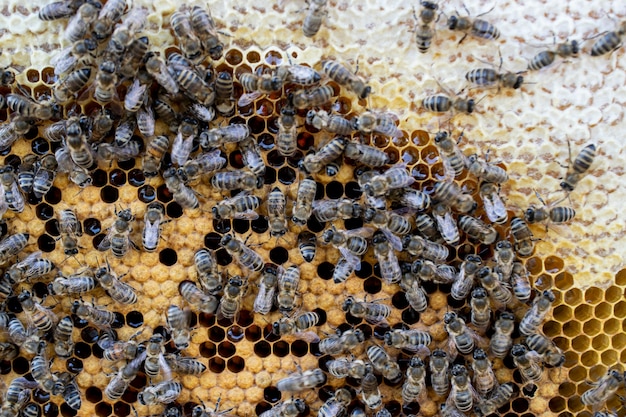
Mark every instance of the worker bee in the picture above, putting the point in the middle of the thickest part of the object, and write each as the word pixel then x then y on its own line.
pixel 395 177
pixel 461 337
pixel 41 317
pixel 132 60
pixel 12 194
pixel 201 164
pixel 183 142
pixel 498 291
pixel 441 103
pixel 350 244
pixel 478 28
pixel 154 358
pixel 314 97
pixel 155 150
pixel 298 326
pixel 235 180
pixel 343 269
pixel 162 393
pixel 66 89
pixel 116 289
pixel 348 367
pixel 477 229
pixel 603 389
pixel 193 85
pixel 462 394
pixel 480 314
pixel 314 162
pixel 303 207
pixel 321 120
pixel 26 173
pixel 9 351
pixel 382 362
pixel 610 41
pixel 385 255
pixel 370 392
pixel 204 27
pixel 546 58
pixel 71 393
pixel 277 219
pixel 252 156
pixel 221 135
pixel 409 339
pixel 110 13
pixel 153 219
pixel 415 384
pixel 118 350
pixel 120 382
pixel 267 288
pixel 31 267
pixel 528 364
pixel 372 312
pixel 10 132
pixel 286 139
pixel 504 258
pixel 206 303
pixel 425 32
pixel 288 281
pixel 554 214
pixel 485 171
pixel 17 395
pixel 418 246
pixel 76 284
pixel 534 317
pixel 489 76
pixel 118 237
pixel 136 94
pixel 492 203
pixel 157 68
pixel 331 210
pixel 365 154
pixel 342 342
pixel 26 338
pixel 45 173
pixel 446 224
pixel 523 236
pixel 520 282
pixel 81 153
pixel 343 76
pixel 439 377
pixel 549 352
pixel 501 341
pixel 178 322
pixel 12 245
pixel 337 405
pixel 301 380
pixel 106 79
pixel 79 24
pixel 453 159
pixel 500 396
pixel 59 9
pixel 182 194
pixel 462 286
pixel 40 370
pixel 413 291
pixel 208 275
pixel 230 304
pixel 245 256
pixel 429 271
pixel 183 365
pixel 307 244
pixel 93 314
pixel 242 206
pixel 313 19
pixel 69 224
pixel 256 86
pixel 377 122
pixel 388 222
pixel 81 53
pixel 63 343
pixel 189 43
pixel 289 408
pixel 27 107
pixel 484 379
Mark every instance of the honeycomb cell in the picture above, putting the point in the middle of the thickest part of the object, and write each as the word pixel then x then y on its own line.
pixel 600 342
pixel 578 374
pixel 109 194
pixel 226 349
pixel 619 309
pixel 410 156
pixel 20 365
pixel 253 57
pixel 286 175
pixel 117 177
pixel 567 389
pixel 583 313
pixel 136 178
pixel 168 257
pixel 262 349
pixel 620 277
pixel 207 350
pixel 553 265
pixel 217 365
pixel 592 327
pixel 589 358
pixel 614 294
pixel 51 410
pixel 594 295
pixel 564 314
pixel 233 57
pixel 609 357
pixel 611 326
pixel 103 409
pixel 121 409
pixel 580 343
pixel 280 349
pixel 573 297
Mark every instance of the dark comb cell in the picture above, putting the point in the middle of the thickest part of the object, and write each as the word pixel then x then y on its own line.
pixel 40 289
pixel 216 334
pixel 235 334
pixel 51 410
pixel 93 395
pixel 275 159
pixel 174 210
pixel 352 224
pixel 279 255
pixel 82 350
pixel 117 177
pixel 222 257
pixel 121 409
pixel 271 394
pixel 99 178
pixel 119 320
pixel 262 349
pixel 40 146
pixel 259 225
pixel 217 365
pixel 221 226
pixel 253 333
pixel 334 190
pixel 241 226
pixel 207 350
pixel 146 194
pixel 109 194
pixel 226 349
pixel 314 225
pixel 299 348
pixel 168 257
pixel 236 364
pixel 325 270
pixel 280 349
pixel 52 226
pixel 92 226
pixel 212 240
pixel 21 365
pixel 54 196
pixel 270 176
pixel 46 243
pixel 134 319
pixel 365 271
pixel 372 285
pixel 163 194
pixel 103 409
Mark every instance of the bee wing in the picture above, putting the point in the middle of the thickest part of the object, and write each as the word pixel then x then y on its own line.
pixel 394 241
pixel 165 367
pixel 365 232
pixel 63 61
pixel 309 337
pixel 350 258
pixel 260 306
pixel 448 172
pixel 29 260
pixel 106 242
pixel 247 98
pixel 377 202
pixel 247 215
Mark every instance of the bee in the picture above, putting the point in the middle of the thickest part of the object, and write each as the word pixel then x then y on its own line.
pixel 120 382
pixel 414 293
pixel 343 76
pixel 415 384
pixel 485 171
pixel 154 359
pixel 58 9
pixel 343 270
pixel 603 389
pixel 498 291
pixel 439 378
pixel 106 79
pixel 69 224
pixel 387 221
pixel 484 379
pixel 256 86
pixel 118 350
pixel 9 351
pixel 555 214
pixel 441 103
pixel 183 142
pixel 187 39
pixel 462 394
pixel 79 24
pixel 546 58
pixel 303 207
pixel 112 152
pixel 162 393
pixel 71 393
pixel 288 281
pixel 118 237
pixel 10 132
pixel 41 317
pixel 133 58
pixel 504 258
pixel 93 314
pixel 81 53
pixel 101 125
pixel 477 229
pixel 252 156
pixel 286 139
pixel 267 288
pixel 66 89
pixel 136 94
pixel 500 396
pixel 462 286
pixel 313 163
pixel 549 352
pixel 12 194
pixel 17 395
pixel 610 41
pixel 489 76
pixel 206 303
pixel 450 194
pixel 201 112
pixel 446 224
pixel 80 151
pixel 80 177
pixel 337 405
pixel 186 366
pixel 63 343
pixel 202 164
pixel 165 111
pixel 418 246
pixel 27 107
pixel 409 339
pixel 395 177
pixel 480 314
pixel 382 362
pixel 110 13
pixel 193 85
pixel 297 326
pixel 528 364
pixel 372 312
pixel 377 122
pixel 520 282
pixel 331 210
pixel 26 338
pixel 492 203
pixel 230 304
pixel 429 271
pixel 235 180
pixel 307 244
pixel 314 97
pixel 31 267
pixel 478 28
pixel 425 32
pixel 461 336
pixel 12 245
pixel 501 341
pixel 350 244
pixel 342 342
pixel 523 236
pixel 242 206
pixel 365 154
pixel 152 226
pixel 313 19
pixel 40 370
pixel 204 27
pixel 370 392
pixel 537 313
pixel 301 381
pixel 385 255
pixel 182 194
pixel 74 284
pixel 26 173
pixel 298 74
pixel 245 256
pixel 208 275
pixel 221 135
pixel 116 289
pixel 157 68
pixel 45 173
pixel 288 408
pixel 348 367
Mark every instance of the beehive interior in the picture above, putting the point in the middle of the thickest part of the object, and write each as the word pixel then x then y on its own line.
pixel 526 133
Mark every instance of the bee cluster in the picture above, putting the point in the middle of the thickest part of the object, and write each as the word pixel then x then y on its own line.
pixel 462 334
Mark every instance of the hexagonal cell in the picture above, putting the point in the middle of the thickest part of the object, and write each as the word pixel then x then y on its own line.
pixel 594 295
pixel 583 312
pixel 553 265
pixel 614 294
pixel 620 277
pixel 592 327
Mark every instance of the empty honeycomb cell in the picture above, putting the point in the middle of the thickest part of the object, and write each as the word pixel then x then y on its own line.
pixel 578 374
pixel 600 342
pixel 594 295
pixel 619 309
pixel 563 280
pixel 589 358
pixel 286 175
pixel 609 357
pixel 580 343
pixel 614 294
pixel 573 297
pixel 136 177
pixel 543 282
pixel 117 177
pixel 567 389
pixel 253 333
pixel 109 194
pixel 280 349
pixel 40 146
pixel 226 349
pixel 208 349
pixel 20 365
pixel 575 404
pixel 564 314
pixel 620 277
pixel 279 255
pixel 583 313
pixel 611 326
pixel 592 327
pixel 217 365
pixel 103 409
pixel 372 285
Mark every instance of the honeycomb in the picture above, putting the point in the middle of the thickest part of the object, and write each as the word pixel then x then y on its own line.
pixel 526 132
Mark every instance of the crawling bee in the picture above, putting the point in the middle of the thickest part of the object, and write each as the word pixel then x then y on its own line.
pixel 462 394
pixel 545 347
pixel 528 364
pixel 603 390
pixel 132 60
pixel 484 379
pixel 372 312
pixel 27 339
pixel 314 162
pixel 219 136
pixel 241 206
pixel 489 77
pixel 79 24
pixel 230 304
pixel 31 267
pixel 307 244
pixel 554 214
pixel 110 13
pixel 303 207
pixel 192 85
pixel 118 350
pixel 301 381
pixel 501 341
pixel 245 256
pixel 314 16
pixel 204 27
pixel 297 326
pixel 257 86
pixel 76 284
pixel 520 282
pixel 153 219
pixel 385 255
pixel 59 9
pixel 523 236
pixel 11 132
pixel 267 288
pixel 178 322
pixel 71 393
pixel 409 339
pixel 388 222
pixel 395 177
pixel 429 271
pixel 40 370
pixel 500 396
pixel 189 43
pixel 439 376
pixel 485 171
pixel 13 197
pixel 453 159
pixel 461 336
pixel 478 28
pixel 492 203
pixel 382 362
pixel 288 408
pixel 9 351
pixel 252 157
pixel 414 386
pixel 546 58
pixel 208 275
pixel 314 97
pixel 286 139
pixel 499 293
pixel 45 173
pixel 157 68
pixel 377 122
pixel 184 365
pixel 464 282
pixel 182 194
pixel 504 256
pixel 413 291
pixel 337 405
pixel 351 245
pixel 235 180
pixel 69 224
pixel 370 392
pixel 12 245
pixel 120 381
pixel 343 76
pixel 348 367
pixel 118 237
pixel 183 142
pixel 331 210
pixel 154 358
pixel 162 393
pixel 534 317
pixel 342 342
pixel 119 291
pixel 224 92
pixel 156 148
pixel 202 164
pixel 196 297
pixel 26 173
pixel 277 218
pixel 576 169
pixel 418 246
pixel 425 31
pixel 477 229
pixel 321 120
pixel 365 154
pixel 65 90
pixel 93 314
pixel 31 109
pixel 480 313
pixel 41 317
pixel 609 42
pixel 450 194
pixel 441 103
pixel 288 281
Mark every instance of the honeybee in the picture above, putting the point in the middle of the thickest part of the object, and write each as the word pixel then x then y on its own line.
pixel 267 288
pixel 136 94
pixel 9 351
pixel 492 203
pixel 230 304
pixel 439 377
pixel 498 291
pixel 31 109
pixel 546 58
pixel 153 219
pixel 372 312
pixel 418 246
pixel 415 385
pixel 314 162
pixel 377 122
pixel 610 41
pixel 242 206
pixel 132 60
pixel 298 74
pixel 221 135
pixel 462 286
pixel 59 9
pixel 489 76
pixel 77 284
pixel 603 389
pixel 484 378
pixel 182 194
pixel 208 275
pixel 89 312
pixel 41 317
pixel 576 169
pixel 504 258
pixel 81 153
pixel 252 156
pixel 485 171
pixel 425 32
pixel 288 281
pixel 106 79
pixel 554 214
pixel 118 237
pixel 45 173
pixel 185 366
pixel 545 347
pixel 154 358
pixel 429 271
pixel 10 132
pixel 183 142
pixel 26 338
pixel 12 245
pixel 71 393
pixel 120 382
pixel 157 68
pixel 337 405
pixel 413 292
pixel 342 342
pixel 206 303
pixel 66 89
pixel 188 40
pixel 277 219
pixel 395 177
pixel 286 139
pixel 31 267
pixel 446 224
pixel 256 86
pixel 441 103
pixel 117 290
pixel 343 76
pixel 13 197
pixel 520 282
pixel 314 97
pixel 313 19
pixel 478 28
pixel 303 207
pixel 343 269
pixel 301 380
pixel 26 173
pixel 79 24
pixel 385 255
pixel 462 394
pixel 118 350
pixel 204 27
pixel 382 362
pixel 110 13
pixel 461 337
pixel 202 164
pixel 480 314
pixel 370 392
pixel 348 367
pixel 288 408
pixel 40 370
pixel 235 180
pixel 193 85
pixel 534 317
pixel 500 396
pixel 365 154
pixel 80 53
pixel 245 256
pixel 298 326
pixel 178 322
pixel 477 229
pixel 69 224
pixel 307 244
pixel 156 148
pixel 528 364
pixel 409 339
pixel 523 236
pixel 162 393
pixel 17 395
